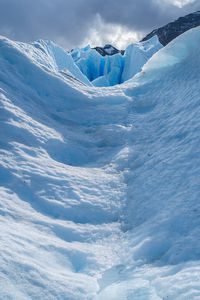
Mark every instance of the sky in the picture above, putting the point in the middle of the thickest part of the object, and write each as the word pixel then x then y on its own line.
pixel 95 22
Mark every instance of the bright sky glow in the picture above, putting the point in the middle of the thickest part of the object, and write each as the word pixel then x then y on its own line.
pixel 180 3
pixel 118 36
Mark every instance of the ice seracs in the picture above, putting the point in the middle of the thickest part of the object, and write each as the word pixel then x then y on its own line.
pixel 115 69
pixel 136 55
pixel 87 65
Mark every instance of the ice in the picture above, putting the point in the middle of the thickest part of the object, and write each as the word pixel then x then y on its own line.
pixel 113 66
pixel 90 64
pixel 115 69
pixel 136 55
pixel 54 57
pixel 99 186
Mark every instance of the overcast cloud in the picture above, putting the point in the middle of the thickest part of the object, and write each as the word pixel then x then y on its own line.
pixel 76 22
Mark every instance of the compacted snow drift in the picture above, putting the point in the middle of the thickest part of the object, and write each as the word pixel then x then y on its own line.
pixel 99 186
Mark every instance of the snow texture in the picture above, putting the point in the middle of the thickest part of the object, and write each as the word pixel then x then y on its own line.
pixel 99 187
pixel 53 57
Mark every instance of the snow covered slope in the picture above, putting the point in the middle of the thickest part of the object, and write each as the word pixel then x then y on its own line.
pixel 115 69
pixel 100 186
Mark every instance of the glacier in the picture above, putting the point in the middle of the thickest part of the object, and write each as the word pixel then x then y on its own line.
pixel 53 57
pixel 99 185
pixel 116 69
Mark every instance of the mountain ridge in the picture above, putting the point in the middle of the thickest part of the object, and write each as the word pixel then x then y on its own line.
pixel 175 28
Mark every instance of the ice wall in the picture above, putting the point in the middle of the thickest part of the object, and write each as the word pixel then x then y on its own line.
pixel 115 69
pixel 136 55
pixel 53 57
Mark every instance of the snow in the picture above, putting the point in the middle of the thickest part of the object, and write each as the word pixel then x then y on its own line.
pixel 53 57
pixel 99 186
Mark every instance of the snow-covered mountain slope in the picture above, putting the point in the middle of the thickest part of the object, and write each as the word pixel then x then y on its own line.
pixel 115 69
pixel 100 186
pixel 173 29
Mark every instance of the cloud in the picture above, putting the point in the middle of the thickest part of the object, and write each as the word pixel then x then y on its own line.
pixel 71 23
pixel 102 33
pixel 181 3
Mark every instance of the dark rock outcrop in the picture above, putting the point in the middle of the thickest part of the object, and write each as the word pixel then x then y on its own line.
pixel 108 50
pixel 170 31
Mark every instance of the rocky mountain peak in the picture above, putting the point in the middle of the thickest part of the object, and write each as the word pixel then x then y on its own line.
pixel 170 31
